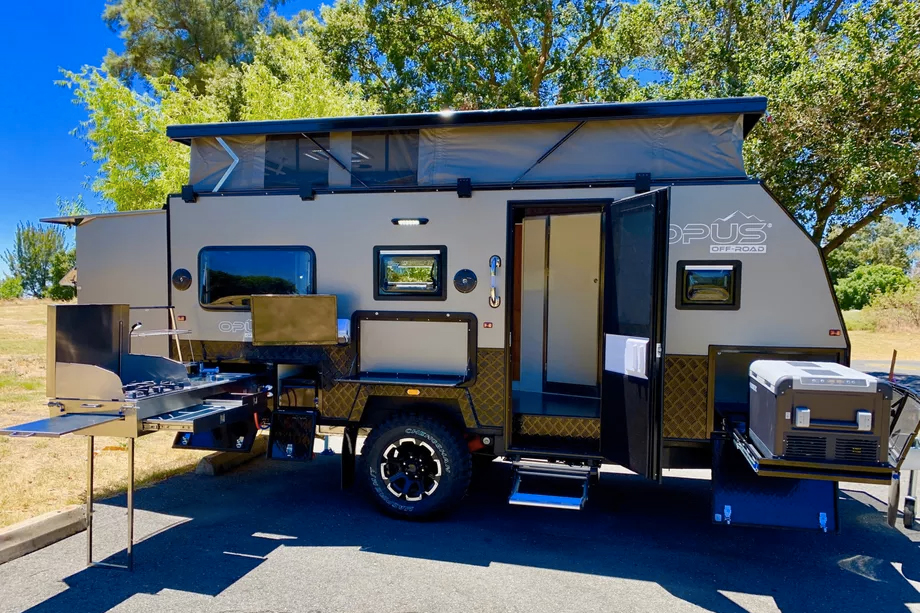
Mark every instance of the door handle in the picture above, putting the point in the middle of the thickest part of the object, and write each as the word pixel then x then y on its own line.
pixel 495 300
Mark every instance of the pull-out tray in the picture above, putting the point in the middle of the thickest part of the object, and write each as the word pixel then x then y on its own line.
pixel 199 418
pixel 59 425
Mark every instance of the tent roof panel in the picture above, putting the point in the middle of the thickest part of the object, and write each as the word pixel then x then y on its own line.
pixel 752 108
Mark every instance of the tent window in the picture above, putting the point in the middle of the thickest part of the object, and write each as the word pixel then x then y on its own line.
pixel 409 273
pixel 384 158
pixel 229 276
pixel 710 285
pixel 291 161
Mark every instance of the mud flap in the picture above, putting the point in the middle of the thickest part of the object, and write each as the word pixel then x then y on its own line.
pixel 742 497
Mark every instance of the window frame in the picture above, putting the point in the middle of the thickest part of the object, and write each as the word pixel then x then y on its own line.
pixel 381 294
pixel 211 307
pixel 735 286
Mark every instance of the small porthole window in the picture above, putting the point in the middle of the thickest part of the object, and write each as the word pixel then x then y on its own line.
pixel 409 273
pixel 709 285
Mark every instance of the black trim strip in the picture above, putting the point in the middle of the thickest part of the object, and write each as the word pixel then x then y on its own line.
pixel 753 108
pixel 479 187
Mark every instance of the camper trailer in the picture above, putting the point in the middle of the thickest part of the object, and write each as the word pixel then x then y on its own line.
pixel 563 287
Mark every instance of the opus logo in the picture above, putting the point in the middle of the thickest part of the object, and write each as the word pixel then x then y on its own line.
pixel 737 233
pixel 236 327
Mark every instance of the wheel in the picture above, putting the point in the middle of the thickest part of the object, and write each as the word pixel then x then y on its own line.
pixel 416 466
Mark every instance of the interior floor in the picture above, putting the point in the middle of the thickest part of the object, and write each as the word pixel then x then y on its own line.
pixel 557 405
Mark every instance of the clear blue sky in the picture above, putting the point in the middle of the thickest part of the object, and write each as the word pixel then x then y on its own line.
pixel 39 159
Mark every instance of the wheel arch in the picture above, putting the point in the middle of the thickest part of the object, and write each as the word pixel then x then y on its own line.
pixel 380 408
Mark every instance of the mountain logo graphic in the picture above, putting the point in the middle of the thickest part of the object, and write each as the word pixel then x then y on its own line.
pixel 736 233
pixel 740 217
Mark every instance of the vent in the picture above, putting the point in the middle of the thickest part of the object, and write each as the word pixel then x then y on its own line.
pixel 856 450
pixel 805 448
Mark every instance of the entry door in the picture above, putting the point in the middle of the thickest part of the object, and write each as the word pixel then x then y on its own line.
pixel 635 266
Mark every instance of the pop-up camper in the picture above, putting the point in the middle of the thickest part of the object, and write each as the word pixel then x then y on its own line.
pixel 563 287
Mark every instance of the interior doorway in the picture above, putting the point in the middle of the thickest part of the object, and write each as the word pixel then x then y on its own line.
pixel 556 315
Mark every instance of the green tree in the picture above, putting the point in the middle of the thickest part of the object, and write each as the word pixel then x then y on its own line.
pixel 62 263
pixel 858 289
pixel 840 145
pixel 416 55
pixel 883 242
pixel 165 37
pixel 10 288
pixel 32 256
pixel 138 166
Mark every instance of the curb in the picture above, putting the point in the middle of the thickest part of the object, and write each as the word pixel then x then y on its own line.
pixel 38 532
pixel 221 462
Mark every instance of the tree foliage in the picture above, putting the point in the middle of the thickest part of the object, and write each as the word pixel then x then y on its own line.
pixel 417 55
pixel 840 148
pixel 31 259
pixel 858 289
pixel 883 242
pixel 62 263
pixel 126 130
pixel 10 288
pixel 165 37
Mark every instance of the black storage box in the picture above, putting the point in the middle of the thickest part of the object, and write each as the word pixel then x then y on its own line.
pixel 818 412
pixel 292 434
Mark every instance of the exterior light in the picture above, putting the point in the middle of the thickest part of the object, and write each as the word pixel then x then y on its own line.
pixel 416 221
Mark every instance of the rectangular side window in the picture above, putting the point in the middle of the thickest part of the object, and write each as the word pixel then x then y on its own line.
pixel 384 158
pixel 291 161
pixel 229 276
pixel 410 273
pixel 709 285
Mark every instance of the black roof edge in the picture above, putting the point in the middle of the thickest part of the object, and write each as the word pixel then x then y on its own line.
pixel 753 108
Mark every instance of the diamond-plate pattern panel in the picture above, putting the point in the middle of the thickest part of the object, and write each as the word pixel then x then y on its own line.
pixel 571 427
pixel 686 397
pixel 337 402
pixel 489 390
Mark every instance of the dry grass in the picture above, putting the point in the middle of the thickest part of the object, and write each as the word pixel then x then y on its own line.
pixel 868 345
pixel 40 475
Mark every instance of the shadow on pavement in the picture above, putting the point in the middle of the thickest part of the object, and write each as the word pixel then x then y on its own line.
pixel 632 529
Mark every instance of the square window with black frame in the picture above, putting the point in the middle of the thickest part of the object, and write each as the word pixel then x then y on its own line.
pixel 291 161
pixel 409 273
pixel 709 285
pixel 228 277
pixel 384 158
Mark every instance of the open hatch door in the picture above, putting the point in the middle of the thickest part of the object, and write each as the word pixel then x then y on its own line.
pixel 635 267
pixel 905 422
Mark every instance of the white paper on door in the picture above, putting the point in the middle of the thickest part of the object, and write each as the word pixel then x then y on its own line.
pixel 626 355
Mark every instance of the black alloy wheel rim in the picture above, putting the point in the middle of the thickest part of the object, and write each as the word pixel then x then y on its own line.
pixel 411 469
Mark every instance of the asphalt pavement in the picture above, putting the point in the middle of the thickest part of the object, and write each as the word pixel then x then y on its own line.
pixel 277 537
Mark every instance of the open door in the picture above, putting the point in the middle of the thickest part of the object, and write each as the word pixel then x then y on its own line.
pixel 635 266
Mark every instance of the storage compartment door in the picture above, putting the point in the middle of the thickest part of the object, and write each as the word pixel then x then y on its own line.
pixel 635 261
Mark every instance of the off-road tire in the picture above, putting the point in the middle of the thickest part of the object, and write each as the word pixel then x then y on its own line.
pixel 450 450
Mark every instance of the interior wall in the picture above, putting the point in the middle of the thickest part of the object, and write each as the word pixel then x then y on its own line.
pixel 572 335
pixel 533 295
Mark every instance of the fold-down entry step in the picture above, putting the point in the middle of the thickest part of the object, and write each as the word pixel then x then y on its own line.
pixel 212 413
pixel 59 425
